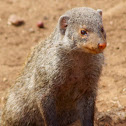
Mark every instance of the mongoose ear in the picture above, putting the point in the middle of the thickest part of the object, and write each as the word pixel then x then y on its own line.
pixel 99 11
pixel 63 23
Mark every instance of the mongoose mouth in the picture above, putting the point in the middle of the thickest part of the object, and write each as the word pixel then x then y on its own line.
pixel 92 50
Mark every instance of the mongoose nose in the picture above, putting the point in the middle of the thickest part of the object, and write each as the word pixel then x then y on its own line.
pixel 102 45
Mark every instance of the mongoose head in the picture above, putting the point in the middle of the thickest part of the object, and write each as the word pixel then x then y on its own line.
pixel 82 29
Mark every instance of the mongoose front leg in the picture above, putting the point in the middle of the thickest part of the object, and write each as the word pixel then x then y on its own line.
pixel 48 111
pixel 86 110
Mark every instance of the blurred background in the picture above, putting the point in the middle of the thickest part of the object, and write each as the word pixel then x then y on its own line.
pixel 24 23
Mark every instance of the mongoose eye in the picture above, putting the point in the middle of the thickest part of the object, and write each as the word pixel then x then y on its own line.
pixel 83 32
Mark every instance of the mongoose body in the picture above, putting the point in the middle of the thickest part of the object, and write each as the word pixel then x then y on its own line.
pixel 59 82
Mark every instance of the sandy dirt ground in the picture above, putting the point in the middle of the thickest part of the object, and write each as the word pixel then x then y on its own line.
pixel 16 43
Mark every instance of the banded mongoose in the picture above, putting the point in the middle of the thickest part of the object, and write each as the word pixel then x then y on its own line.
pixel 59 82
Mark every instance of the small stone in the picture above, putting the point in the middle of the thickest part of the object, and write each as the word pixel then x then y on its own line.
pixel 6 37
pixel 117 48
pixel 60 9
pixel 4 79
pixel 40 24
pixel 111 22
pixel 45 18
pixel 15 20
pixel 124 90
pixel 31 30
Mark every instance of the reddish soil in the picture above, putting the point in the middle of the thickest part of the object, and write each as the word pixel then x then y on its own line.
pixel 16 42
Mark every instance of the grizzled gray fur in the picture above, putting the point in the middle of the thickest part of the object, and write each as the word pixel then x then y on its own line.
pixel 59 82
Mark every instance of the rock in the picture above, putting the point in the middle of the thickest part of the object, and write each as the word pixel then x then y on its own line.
pixel 40 24
pixel 15 20
pixel 31 30
pixel 4 79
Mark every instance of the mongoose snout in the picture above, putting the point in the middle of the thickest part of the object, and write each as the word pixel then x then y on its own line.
pixel 102 46
pixel 91 41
